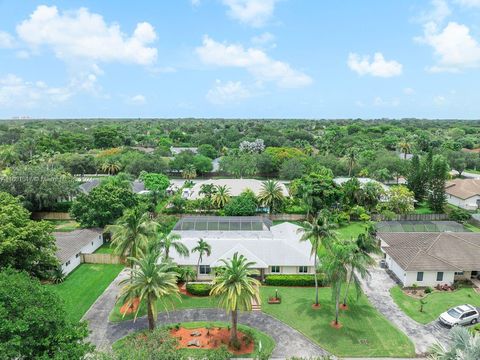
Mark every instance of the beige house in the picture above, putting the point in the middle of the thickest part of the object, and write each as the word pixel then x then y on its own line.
pixel 431 258
pixel 274 249
pixel 464 193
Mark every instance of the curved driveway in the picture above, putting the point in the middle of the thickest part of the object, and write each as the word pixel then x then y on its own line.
pixel 289 342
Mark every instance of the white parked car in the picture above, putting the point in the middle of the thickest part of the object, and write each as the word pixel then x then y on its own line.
pixel 460 315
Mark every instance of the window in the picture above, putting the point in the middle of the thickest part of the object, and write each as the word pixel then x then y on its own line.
pixel 67 263
pixel 420 276
pixel 440 276
pixel 205 269
pixel 303 269
pixel 92 243
pixel 275 269
pixel 459 273
pixel 77 255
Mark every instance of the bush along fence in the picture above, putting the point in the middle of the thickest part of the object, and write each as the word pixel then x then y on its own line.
pixel 199 289
pixel 294 280
pixel 101 259
pixel 412 217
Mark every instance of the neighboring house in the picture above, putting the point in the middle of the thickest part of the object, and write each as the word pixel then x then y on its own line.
pixel 405 156
pixel 275 249
pixel 464 193
pixel 235 186
pixel 72 244
pixel 146 150
pixel 178 150
pixel 472 151
pixel 138 187
pixel 362 180
pixel 431 258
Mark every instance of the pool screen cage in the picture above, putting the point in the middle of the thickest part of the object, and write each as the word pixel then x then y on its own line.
pixel 223 223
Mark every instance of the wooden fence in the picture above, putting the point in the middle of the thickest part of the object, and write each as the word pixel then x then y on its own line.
pixel 47 215
pixel 413 217
pixel 101 259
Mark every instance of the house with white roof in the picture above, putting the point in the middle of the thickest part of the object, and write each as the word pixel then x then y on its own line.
pixel 274 249
pixel 70 245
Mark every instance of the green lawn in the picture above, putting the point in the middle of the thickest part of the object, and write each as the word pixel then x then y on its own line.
pixel 436 302
pixel 268 344
pixel 65 225
pixel 473 171
pixel 365 332
pixel 83 286
pixel 351 230
pixel 104 249
pixel 184 302
pixel 472 227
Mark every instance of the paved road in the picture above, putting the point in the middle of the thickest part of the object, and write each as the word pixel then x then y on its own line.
pixel 377 288
pixel 289 342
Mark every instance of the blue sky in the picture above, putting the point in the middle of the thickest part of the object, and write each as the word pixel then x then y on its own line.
pixel 240 58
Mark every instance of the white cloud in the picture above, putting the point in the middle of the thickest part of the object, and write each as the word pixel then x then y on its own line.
pixel 80 34
pixel 439 12
pixel 6 40
pixel 251 12
pixel 439 100
pixel 229 92
pixel 195 2
pixel 16 92
pixel 409 91
pixel 255 61
pixel 265 39
pixel 377 67
pixel 380 102
pixel 454 47
pixel 138 99
pixel 468 3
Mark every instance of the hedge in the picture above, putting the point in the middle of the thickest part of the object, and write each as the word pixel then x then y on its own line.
pixel 199 289
pixel 294 280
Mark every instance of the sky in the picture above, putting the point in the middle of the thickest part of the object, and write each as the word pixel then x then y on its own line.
pixel 240 59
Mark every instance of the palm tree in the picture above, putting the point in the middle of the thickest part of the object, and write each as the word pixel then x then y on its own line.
pixel 151 281
pixel 221 196
pixel 187 273
pixel 319 231
pixel 464 346
pixel 236 288
pixel 351 158
pixel 405 147
pixel 190 172
pixel 271 194
pixel 360 260
pixel 131 233
pixel 203 248
pixel 122 180
pixel 110 167
pixel 165 242
pixel 334 265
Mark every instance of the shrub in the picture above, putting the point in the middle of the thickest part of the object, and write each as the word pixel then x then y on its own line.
pixel 459 215
pixel 294 280
pixel 199 289
pixel 428 290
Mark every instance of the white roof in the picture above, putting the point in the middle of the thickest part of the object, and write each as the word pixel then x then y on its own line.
pixel 361 180
pixel 280 246
pixel 235 186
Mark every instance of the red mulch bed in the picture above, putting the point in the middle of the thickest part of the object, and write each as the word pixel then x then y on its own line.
pixel 130 306
pixel 183 290
pixel 335 326
pixel 215 338
pixel 343 307
pixel 316 307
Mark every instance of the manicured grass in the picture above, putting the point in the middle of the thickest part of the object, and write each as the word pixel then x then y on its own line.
pixel 473 171
pixel 472 227
pixel 173 303
pixel 422 208
pixel 364 333
pixel 352 230
pixel 65 225
pixel 436 302
pixel 104 249
pixel 83 286
pixel 268 344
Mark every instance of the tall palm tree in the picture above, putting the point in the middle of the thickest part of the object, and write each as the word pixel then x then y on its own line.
pixel 203 248
pixel 335 267
pixel 360 260
pixel 236 288
pixel 165 242
pixel 405 147
pixel 221 196
pixel 110 167
pixel 319 231
pixel 151 281
pixel 351 158
pixel 464 346
pixel 131 233
pixel 271 194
